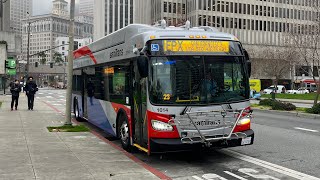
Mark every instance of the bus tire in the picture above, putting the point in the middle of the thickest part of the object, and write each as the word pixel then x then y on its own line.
pixel 124 132
pixel 76 110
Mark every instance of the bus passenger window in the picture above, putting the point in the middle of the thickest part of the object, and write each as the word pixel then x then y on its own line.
pixel 117 78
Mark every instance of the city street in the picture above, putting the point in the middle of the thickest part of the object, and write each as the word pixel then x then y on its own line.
pixel 285 147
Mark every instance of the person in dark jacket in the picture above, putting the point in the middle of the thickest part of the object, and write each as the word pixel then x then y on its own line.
pixel 31 89
pixel 90 91
pixel 15 89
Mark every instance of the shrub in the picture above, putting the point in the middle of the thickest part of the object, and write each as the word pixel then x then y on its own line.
pixel 267 102
pixel 278 105
pixel 314 110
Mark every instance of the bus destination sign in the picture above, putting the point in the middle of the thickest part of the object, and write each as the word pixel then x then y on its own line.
pixel 196 46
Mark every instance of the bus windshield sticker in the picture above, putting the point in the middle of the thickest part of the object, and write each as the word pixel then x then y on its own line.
pixel 196 46
pixel 155 47
pixel 166 97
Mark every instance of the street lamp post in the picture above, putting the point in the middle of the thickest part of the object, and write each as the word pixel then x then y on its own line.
pixel 28 46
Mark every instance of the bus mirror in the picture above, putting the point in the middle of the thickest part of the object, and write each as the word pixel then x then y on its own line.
pixel 248 62
pixel 142 63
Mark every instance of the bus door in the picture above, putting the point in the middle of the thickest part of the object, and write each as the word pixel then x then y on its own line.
pixel 139 110
pixel 88 73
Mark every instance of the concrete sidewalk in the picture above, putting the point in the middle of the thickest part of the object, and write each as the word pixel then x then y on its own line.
pixel 29 151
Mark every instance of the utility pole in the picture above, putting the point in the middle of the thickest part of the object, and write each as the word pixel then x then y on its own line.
pixel 70 64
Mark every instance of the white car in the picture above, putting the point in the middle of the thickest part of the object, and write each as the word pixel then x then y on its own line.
pixel 269 90
pixel 299 91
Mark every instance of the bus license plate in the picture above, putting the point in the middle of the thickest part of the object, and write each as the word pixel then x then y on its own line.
pixel 246 141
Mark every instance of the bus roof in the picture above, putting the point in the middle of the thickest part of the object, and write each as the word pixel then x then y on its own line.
pixel 119 45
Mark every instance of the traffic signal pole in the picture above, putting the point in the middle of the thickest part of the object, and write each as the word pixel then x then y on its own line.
pixel 70 64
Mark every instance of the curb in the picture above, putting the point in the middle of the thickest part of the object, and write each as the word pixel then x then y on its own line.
pixel 292 113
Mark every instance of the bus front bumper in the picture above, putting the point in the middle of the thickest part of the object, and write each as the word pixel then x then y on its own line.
pixel 173 145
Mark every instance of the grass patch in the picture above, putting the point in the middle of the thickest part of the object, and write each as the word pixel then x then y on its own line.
pixel 260 106
pixel 309 96
pixel 0 103
pixel 69 128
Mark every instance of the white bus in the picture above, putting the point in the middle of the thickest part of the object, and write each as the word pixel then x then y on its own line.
pixel 163 89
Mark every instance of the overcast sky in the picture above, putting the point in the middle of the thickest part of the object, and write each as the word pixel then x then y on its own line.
pixel 43 6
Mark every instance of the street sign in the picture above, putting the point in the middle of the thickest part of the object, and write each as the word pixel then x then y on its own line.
pixel 12 63
pixel 11 71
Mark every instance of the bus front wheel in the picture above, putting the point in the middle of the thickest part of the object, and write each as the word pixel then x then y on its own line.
pixel 124 132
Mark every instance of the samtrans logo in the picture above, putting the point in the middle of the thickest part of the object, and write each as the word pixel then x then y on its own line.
pixel 207 123
pixel 116 53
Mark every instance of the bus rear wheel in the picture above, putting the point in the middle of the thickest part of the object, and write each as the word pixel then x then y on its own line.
pixel 76 110
pixel 124 132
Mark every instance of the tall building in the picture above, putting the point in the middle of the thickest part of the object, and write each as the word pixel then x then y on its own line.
pixel 5 16
pixel 173 11
pixel 44 29
pixel 60 8
pixel 86 7
pixel 19 9
pixel 111 15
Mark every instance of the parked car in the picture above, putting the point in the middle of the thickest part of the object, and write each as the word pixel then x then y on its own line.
pixel 271 89
pixel 299 91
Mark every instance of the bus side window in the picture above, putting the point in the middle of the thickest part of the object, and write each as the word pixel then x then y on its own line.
pixel 118 83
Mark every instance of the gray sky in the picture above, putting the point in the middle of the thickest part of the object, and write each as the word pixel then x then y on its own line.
pixel 43 6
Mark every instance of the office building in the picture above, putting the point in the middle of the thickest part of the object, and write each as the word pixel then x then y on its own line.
pixel 62 44
pixel 19 9
pixel 86 7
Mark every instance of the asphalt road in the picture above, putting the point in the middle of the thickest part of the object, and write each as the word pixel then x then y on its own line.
pixel 285 147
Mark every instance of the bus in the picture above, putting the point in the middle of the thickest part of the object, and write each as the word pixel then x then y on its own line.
pixel 163 89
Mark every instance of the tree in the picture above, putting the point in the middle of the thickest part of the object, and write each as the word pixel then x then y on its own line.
pixel 278 63
pixel 43 58
pixel 306 39
pixel 57 58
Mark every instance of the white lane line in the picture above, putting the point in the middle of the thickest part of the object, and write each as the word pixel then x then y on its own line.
pixel 273 167
pixel 304 129
pixel 49 97
pixel 234 175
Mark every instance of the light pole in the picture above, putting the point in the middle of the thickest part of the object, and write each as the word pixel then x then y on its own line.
pixel 28 46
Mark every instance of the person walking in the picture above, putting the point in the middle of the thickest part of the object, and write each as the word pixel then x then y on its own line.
pixel 31 89
pixel 15 89
pixel 90 91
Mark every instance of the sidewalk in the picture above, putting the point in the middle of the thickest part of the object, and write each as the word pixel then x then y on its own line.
pixel 29 151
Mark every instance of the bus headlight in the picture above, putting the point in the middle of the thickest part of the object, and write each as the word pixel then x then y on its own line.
pixel 161 126
pixel 244 121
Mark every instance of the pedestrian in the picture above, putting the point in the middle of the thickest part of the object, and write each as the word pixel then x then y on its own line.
pixel 31 89
pixel 90 91
pixel 15 89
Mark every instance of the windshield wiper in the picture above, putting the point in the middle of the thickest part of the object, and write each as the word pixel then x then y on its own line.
pixel 185 109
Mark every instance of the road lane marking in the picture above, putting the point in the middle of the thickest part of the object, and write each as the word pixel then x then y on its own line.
pixel 273 167
pixel 234 175
pixel 304 129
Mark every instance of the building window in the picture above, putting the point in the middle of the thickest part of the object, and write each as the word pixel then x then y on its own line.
pixel 165 7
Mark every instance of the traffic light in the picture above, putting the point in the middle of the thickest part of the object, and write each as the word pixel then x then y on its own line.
pixel 7 64
pixel 51 65
pixel 36 64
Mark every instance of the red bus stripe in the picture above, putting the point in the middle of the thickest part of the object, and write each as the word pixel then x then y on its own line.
pixel 83 52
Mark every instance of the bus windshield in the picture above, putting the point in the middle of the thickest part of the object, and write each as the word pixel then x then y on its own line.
pixel 198 80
